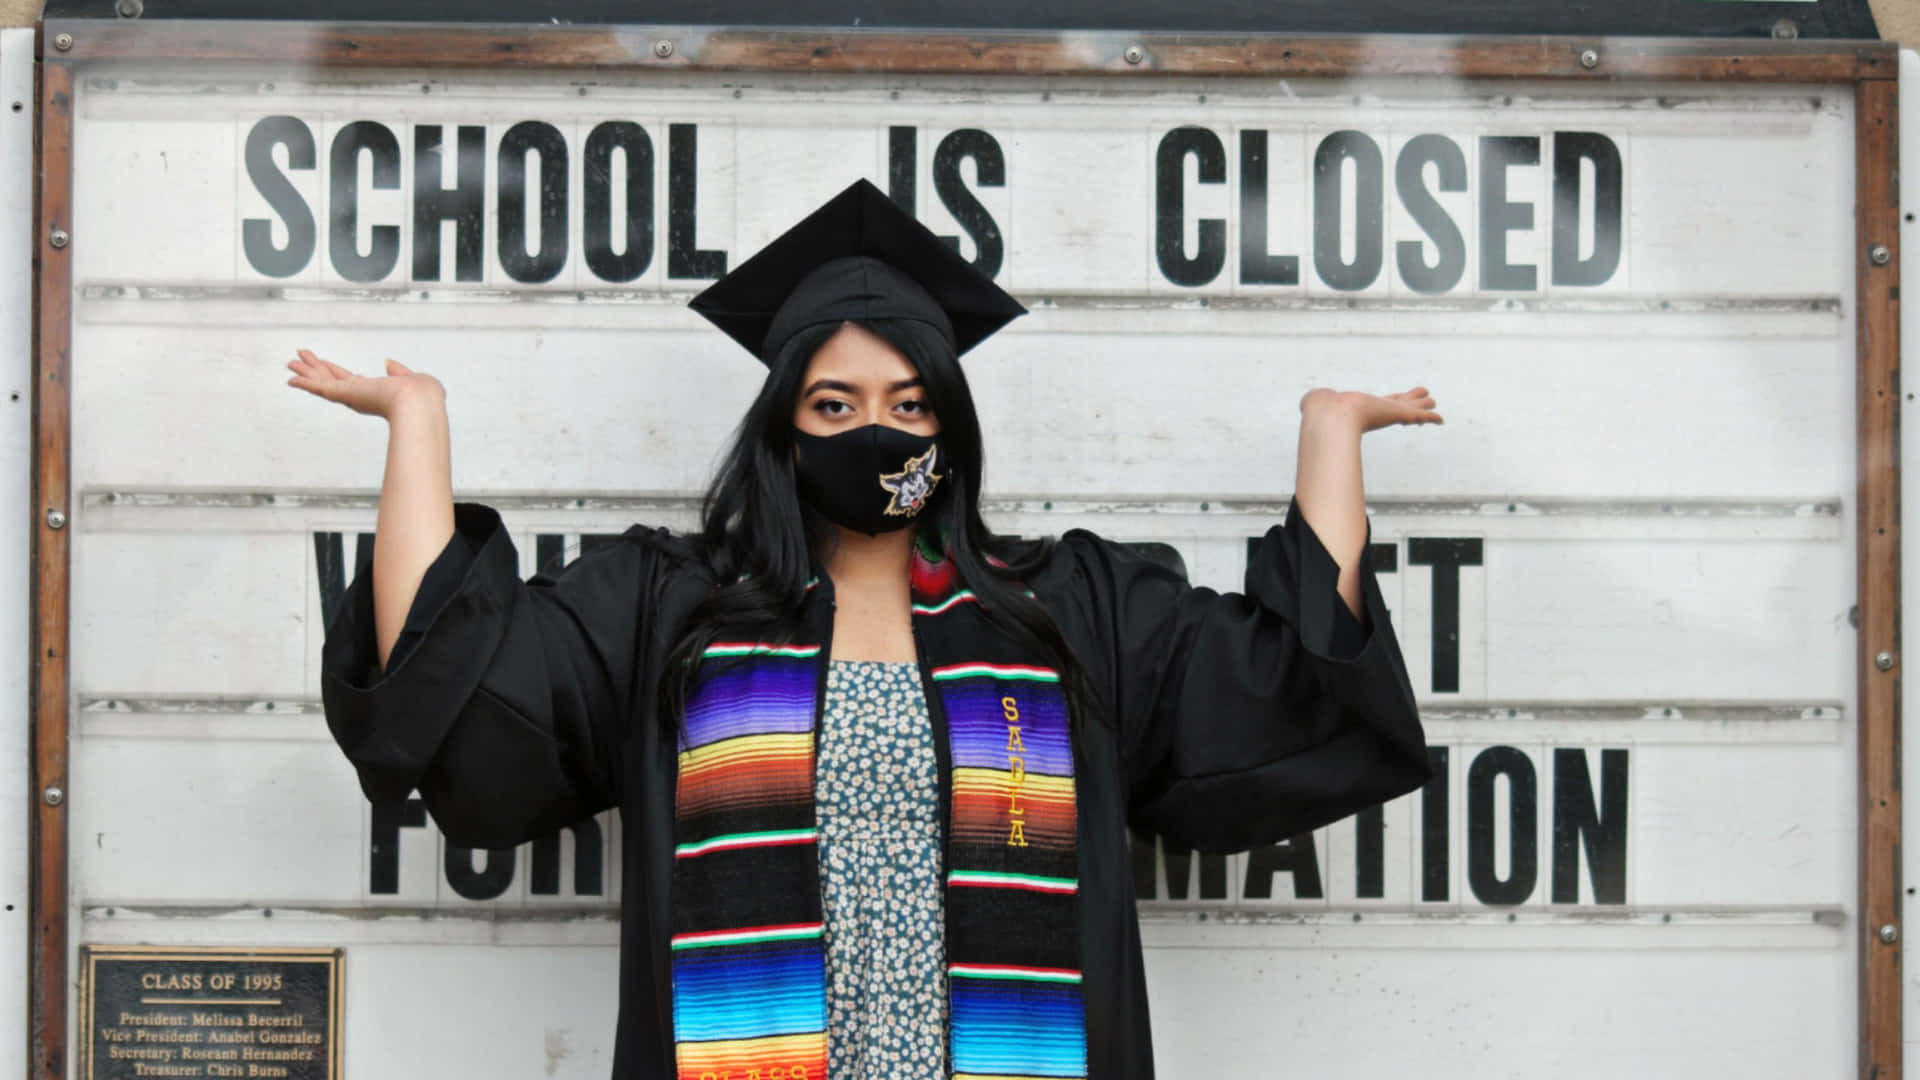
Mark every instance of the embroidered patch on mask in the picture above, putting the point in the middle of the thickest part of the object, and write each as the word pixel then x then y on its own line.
pixel 912 485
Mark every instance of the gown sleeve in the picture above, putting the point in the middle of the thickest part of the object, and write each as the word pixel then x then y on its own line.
pixel 1242 718
pixel 437 586
pixel 503 702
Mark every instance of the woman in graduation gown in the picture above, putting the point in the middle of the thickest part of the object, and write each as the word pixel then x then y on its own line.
pixel 875 766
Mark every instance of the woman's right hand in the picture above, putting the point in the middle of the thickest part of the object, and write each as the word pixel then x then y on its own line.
pixel 369 395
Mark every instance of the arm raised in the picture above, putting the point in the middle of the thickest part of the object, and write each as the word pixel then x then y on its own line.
pixel 503 702
pixel 415 518
pixel 1327 484
pixel 1245 718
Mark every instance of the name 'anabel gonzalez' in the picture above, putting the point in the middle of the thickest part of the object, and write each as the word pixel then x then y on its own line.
pixel 875 764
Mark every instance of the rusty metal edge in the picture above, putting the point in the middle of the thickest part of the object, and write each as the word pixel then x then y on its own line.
pixel 686 48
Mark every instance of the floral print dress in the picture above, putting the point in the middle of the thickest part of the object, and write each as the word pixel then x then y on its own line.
pixel 876 799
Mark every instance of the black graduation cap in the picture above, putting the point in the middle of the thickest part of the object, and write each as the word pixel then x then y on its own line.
pixel 859 256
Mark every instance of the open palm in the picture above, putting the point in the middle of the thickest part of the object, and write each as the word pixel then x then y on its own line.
pixel 1373 411
pixel 372 395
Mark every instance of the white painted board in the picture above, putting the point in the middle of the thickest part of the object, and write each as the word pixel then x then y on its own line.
pixel 16 469
pixel 1621 571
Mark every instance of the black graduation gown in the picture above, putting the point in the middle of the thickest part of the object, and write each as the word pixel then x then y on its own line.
pixel 1234 720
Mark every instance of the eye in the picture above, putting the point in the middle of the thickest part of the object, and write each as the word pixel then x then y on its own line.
pixel 832 407
pixel 916 407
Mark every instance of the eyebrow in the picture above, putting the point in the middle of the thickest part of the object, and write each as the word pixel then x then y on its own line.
pixel 849 388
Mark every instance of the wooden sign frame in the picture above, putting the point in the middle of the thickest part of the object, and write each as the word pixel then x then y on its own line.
pixel 1871 68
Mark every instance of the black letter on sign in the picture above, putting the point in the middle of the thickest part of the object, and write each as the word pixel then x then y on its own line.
pixel 272 184
pixel 597 201
pixel 1436 861
pixel 549 552
pixel 1171 198
pixel 1498 216
pixel 329 564
pixel 592 542
pixel 1446 557
pixel 1568 267
pixel 1296 857
pixel 683 192
pixel 1522 826
pixel 1144 852
pixel 1450 249
pixel 1370 853
pixel 1142 859
pixel 1213 873
pixel 1257 266
pixel 545 140
pixel 1369 197
pixel 1603 828
pixel 545 880
pixel 383 875
pixel 479 884
pixel 343 216
pixel 903 168
pixel 460 204
pixel 990 165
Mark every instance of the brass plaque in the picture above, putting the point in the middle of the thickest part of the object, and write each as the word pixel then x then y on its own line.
pixel 151 1011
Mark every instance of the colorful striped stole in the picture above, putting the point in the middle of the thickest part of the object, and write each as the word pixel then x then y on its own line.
pixel 748 960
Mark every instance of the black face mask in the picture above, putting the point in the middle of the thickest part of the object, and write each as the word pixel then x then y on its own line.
pixel 873 479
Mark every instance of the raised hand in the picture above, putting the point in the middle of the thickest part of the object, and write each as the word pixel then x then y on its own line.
pixel 366 394
pixel 415 518
pixel 1373 411
pixel 1327 487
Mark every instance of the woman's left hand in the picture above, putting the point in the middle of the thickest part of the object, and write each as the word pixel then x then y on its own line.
pixel 1373 411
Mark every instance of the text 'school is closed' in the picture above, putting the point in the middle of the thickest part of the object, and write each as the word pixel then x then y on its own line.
pixel 1349 174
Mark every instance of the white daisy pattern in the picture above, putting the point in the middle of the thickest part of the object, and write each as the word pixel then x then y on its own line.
pixel 876 799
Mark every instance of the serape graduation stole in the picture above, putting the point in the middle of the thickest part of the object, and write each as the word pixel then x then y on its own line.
pixel 748 959
pixel 749 967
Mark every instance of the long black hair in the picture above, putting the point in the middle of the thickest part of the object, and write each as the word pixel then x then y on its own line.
pixel 760 538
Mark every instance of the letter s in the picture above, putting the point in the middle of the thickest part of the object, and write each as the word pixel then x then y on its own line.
pixel 256 234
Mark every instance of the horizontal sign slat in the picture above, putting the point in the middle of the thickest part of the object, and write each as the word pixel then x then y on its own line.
pixel 587 412
pixel 1215 191
pixel 1521 619
pixel 1562 819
